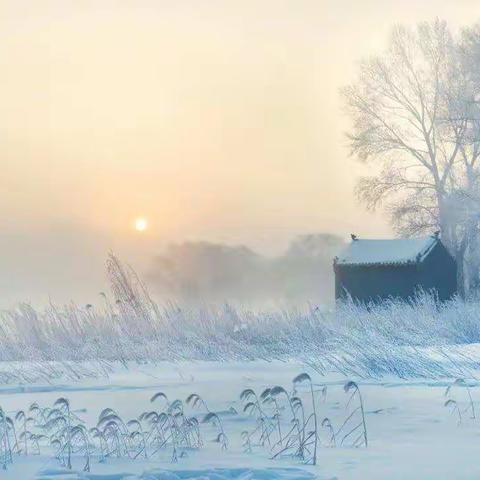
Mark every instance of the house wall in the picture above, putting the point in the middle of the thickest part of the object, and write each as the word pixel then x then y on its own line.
pixel 439 271
pixel 375 283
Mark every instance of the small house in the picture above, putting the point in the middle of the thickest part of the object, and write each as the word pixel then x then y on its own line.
pixel 371 270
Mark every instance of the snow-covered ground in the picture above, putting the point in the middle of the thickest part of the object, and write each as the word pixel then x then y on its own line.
pixel 411 434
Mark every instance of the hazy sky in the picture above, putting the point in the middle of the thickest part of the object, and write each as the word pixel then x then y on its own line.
pixel 215 120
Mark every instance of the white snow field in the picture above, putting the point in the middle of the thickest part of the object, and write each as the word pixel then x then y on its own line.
pixel 411 433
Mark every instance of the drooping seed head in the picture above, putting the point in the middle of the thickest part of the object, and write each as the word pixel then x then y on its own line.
pixel 302 378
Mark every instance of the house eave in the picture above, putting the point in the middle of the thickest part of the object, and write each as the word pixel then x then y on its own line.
pixel 378 265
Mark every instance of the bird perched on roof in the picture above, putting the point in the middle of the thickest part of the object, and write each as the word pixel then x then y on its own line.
pixel 354 237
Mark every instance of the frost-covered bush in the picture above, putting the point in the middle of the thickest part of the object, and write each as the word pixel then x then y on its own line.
pixel 420 338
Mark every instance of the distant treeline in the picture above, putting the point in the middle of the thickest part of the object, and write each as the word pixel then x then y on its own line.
pixel 207 272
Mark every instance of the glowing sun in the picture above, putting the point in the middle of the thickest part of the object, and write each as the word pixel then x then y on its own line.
pixel 141 224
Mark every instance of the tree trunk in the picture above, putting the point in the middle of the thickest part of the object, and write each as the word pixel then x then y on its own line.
pixel 457 247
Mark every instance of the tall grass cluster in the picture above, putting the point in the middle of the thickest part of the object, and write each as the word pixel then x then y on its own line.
pixel 301 436
pixel 283 421
pixel 416 339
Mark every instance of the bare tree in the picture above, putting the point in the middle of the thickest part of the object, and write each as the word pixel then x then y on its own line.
pixel 414 113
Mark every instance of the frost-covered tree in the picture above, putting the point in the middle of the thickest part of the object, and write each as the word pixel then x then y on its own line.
pixel 197 272
pixel 415 115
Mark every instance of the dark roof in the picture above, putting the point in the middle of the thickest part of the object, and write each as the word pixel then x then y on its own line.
pixel 369 252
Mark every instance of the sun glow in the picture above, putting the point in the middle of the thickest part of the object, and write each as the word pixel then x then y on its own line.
pixel 141 224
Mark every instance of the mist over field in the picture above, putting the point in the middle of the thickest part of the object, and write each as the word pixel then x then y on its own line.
pixel 203 272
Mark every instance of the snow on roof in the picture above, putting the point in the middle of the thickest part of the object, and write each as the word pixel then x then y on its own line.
pixel 386 252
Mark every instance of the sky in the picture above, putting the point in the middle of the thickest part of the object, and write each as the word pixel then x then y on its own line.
pixel 214 120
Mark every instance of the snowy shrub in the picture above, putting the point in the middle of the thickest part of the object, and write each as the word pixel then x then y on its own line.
pixel 406 339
